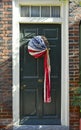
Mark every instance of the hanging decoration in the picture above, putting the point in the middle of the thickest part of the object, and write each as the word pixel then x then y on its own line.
pixel 38 47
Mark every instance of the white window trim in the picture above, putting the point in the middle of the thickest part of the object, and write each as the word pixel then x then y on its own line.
pixel 64 55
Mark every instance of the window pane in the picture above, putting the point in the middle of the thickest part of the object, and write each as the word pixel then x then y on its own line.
pixel 55 11
pixel 35 11
pixel 45 11
pixel 24 11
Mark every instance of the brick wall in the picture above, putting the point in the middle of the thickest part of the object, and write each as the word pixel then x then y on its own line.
pixel 5 62
pixel 74 21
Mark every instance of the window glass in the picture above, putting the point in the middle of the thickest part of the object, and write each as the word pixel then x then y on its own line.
pixel 45 11
pixel 24 11
pixel 35 11
pixel 55 11
pixel 40 11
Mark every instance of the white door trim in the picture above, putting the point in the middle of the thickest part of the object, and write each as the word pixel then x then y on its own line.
pixel 64 62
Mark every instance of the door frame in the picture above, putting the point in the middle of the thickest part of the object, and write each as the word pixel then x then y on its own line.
pixel 63 20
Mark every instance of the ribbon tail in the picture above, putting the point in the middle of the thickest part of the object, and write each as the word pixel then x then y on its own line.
pixel 47 84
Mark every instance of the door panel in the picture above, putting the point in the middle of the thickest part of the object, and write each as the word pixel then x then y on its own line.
pixel 32 106
pixel 29 109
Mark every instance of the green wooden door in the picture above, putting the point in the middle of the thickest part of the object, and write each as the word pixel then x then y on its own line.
pixel 33 110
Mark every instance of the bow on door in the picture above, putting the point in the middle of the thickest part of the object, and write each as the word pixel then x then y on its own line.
pixel 38 47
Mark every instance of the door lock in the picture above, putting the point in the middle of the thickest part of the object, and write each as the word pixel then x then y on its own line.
pixel 23 87
pixel 40 80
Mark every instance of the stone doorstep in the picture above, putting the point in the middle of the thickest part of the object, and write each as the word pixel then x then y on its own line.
pixel 40 127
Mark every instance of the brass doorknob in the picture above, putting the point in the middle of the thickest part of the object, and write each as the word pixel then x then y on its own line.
pixel 40 80
pixel 23 87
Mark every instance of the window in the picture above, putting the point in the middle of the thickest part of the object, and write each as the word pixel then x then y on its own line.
pixel 25 11
pixel 45 11
pixel 40 11
pixel 55 11
pixel 35 11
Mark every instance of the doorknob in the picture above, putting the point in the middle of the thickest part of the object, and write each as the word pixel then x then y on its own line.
pixel 40 80
pixel 23 87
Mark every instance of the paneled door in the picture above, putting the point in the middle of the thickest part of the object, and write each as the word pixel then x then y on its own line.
pixel 33 110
